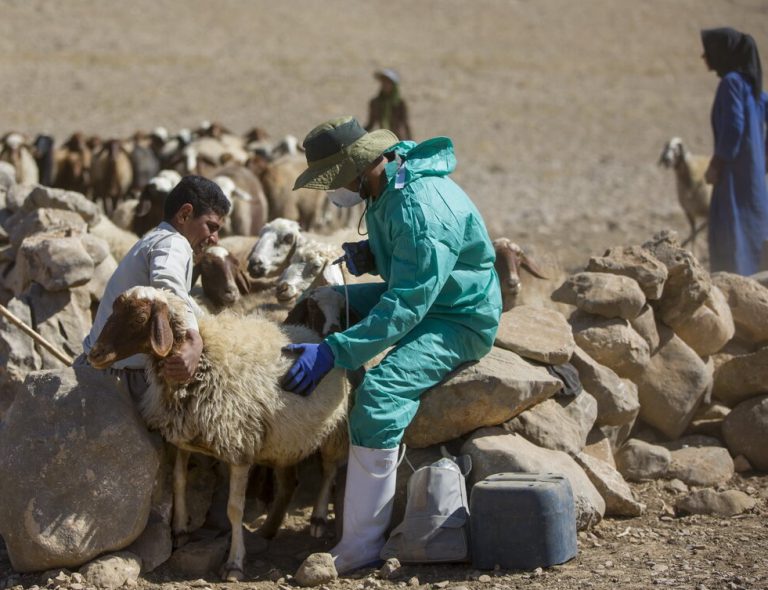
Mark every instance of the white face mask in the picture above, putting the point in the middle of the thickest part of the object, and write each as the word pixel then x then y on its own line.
pixel 343 197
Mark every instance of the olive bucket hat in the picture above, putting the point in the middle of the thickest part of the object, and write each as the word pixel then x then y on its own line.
pixel 338 151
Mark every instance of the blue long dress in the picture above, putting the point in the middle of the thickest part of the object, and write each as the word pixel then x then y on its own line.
pixel 738 215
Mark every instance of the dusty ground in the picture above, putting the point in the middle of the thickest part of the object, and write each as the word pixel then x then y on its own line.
pixel 558 110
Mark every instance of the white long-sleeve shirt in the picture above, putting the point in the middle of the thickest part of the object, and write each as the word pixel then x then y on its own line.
pixel 162 258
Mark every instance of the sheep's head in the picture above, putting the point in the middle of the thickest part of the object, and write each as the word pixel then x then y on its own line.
pixel 224 282
pixel 673 153
pixel 510 258
pixel 310 267
pixel 141 322
pixel 277 242
pixel 322 310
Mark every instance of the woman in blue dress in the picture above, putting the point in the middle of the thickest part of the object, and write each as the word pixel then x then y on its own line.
pixel 738 215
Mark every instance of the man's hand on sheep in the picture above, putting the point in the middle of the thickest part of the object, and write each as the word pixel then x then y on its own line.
pixel 181 366
pixel 309 369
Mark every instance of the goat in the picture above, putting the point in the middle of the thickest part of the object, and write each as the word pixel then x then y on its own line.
pixel 144 162
pixel 233 409
pixel 15 149
pixel 693 192
pixel 44 154
pixel 510 258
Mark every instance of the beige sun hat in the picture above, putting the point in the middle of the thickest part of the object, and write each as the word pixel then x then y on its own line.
pixel 338 151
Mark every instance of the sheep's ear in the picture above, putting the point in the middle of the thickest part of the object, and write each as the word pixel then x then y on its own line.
pixel 299 315
pixel 533 268
pixel 143 208
pixel 160 334
pixel 242 281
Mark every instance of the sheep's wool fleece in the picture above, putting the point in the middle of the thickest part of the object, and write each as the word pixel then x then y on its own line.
pixel 234 408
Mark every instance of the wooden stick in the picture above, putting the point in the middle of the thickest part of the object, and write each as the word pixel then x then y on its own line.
pixel 64 358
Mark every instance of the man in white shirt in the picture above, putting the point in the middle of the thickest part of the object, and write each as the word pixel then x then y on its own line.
pixel 164 258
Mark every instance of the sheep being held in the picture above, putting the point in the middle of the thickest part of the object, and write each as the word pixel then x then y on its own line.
pixel 234 408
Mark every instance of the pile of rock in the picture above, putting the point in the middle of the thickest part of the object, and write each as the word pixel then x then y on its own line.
pixel 671 362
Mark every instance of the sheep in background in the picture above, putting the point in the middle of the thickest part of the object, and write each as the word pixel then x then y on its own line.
pixel 73 165
pixel 43 150
pixel 249 204
pixel 120 240
pixel 15 149
pixel 111 174
pixel 693 192
pixel 234 409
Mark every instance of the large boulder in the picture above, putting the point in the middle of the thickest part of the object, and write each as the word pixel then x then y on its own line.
pixel 487 393
pixel 672 385
pixel 742 377
pixel 618 496
pixel 701 466
pixel 617 401
pixel 645 325
pixel 688 283
pixel 55 198
pixel 42 221
pixel 56 261
pixel 494 450
pixel 18 355
pixel 73 449
pixel 638 460
pixel 560 423
pixel 611 342
pixel 603 294
pixel 710 326
pixel 746 431
pixel 536 333
pixel 748 301
pixel 636 263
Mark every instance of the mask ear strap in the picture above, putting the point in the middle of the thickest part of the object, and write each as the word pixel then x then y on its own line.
pixel 359 233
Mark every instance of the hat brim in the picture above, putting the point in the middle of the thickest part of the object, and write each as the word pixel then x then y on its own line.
pixel 332 172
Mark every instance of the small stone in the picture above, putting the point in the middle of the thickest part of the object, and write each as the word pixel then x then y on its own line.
pixel 485 579
pixel 316 569
pixel 414 581
pixel 389 568
pixel 443 584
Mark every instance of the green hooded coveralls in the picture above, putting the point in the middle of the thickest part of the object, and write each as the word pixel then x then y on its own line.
pixel 440 302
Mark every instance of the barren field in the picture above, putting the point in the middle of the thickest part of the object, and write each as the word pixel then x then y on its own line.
pixel 558 110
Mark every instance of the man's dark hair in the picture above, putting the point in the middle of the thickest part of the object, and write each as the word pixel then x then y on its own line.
pixel 204 195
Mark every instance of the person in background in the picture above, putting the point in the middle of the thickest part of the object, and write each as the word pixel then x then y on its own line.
pixel 437 308
pixel 387 110
pixel 738 214
pixel 163 258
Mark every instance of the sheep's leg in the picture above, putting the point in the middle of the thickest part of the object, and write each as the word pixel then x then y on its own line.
pixel 232 571
pixel 319 519
pixel 285 478
pixel 691 239
pixel 180 513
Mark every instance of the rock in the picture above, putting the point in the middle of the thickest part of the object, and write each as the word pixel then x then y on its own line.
pixel 603 294
pixel 745 431
pixel 55 261
pixel 688 283
pixel 748 301
pixel 708 501
pixel 741 464
pixel 636 263
pixel 708 419
pixel 101 275
pixel 637 460
pixel 671 385
pixel 199 558
pixel 63 318
pixel 113 571
pixel 389 569
pixel 316 569
pixel 72 448
pixel 153 546
pixel 701 466
pixel 18 355
pixel 495 451
pixel 618 496
pixel 97 248
pixel 617 401
pixel 599 446
pixel 611 342
pixel 645 325
pixel 54 198
pixel 741 378
pixel 560 423
pixel 710 326
pixel 487 393
pixel 40 221
pixel 536 333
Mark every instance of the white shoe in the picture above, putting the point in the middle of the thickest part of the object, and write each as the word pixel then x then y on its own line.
pixel 368 497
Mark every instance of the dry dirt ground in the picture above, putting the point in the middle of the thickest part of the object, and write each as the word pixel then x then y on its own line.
pixel 558 109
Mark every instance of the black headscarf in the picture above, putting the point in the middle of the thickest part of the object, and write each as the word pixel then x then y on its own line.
pixel 728 50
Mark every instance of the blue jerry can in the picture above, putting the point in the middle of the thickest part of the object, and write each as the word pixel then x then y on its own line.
pixel 522 521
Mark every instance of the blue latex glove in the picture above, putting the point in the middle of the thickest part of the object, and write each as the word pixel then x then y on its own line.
pixel 359 257
pixel 307 370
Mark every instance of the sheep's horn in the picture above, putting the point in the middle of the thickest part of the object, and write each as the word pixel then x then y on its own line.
pixel 532 267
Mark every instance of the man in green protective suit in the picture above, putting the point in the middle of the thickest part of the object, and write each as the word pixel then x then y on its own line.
pixel 438 306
